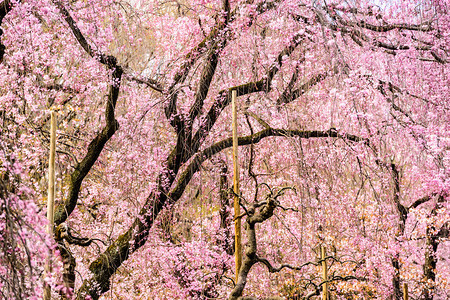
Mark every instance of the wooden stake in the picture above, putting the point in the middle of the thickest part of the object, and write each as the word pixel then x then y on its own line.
pixel 237 222
pixel 50 197
pixel 324 273
pixel 405 291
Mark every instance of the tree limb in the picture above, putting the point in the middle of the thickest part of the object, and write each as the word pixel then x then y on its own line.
pixel 224 97
pixel 95 147
pixel 107 60
pixel 5 8
pixel 420 201
pixel 204 155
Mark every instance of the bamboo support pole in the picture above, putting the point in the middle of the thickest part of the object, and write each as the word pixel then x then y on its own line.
pixel 405 291
pixel 50 197
pixel 237 221
pixel 324 273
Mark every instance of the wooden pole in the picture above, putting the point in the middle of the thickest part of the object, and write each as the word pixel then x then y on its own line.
pixel 237 221
pixel 405 291
pixel 324 273
pixel 50 197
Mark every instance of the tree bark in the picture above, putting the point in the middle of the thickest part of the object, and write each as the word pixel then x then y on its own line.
pixel 432 243
pixel 224 213
pixel 68 274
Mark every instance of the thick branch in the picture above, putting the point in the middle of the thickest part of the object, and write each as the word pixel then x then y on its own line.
pixel 402 211
pixel 63 232
pixel 205 82
pixel 96 145
pixel 151 83
pixel 257 118
pixel 224 97
pixel 107 60
pixel 438 58
pixel 287 266
pixel 5 8
pixel 425 27
pixel 287 93
pixel 420 201
pixel 433 240
pixel 204 155
pixel 94 149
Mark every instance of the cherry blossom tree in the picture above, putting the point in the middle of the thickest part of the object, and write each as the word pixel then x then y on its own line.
pixel 343 102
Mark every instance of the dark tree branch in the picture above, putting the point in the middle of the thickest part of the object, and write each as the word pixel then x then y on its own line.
pixel 63 232
pixel 424 27
pixel 60 87
pixel 206 154
pixel 257 118
pixel 68 272
pixel 403 212
pixel 224 97
pixel 433 238
pixel 107 60
pixel 226 10
pixel 287 93
pixel 205 82
pixel 283 266
pixel 438 58
pixel 420 201
pixel 97 144
pixel 5 8
pixel 94 149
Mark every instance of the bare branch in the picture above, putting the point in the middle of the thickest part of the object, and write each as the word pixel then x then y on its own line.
pixel 287 266
pixel 63 232
pixel 438 58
